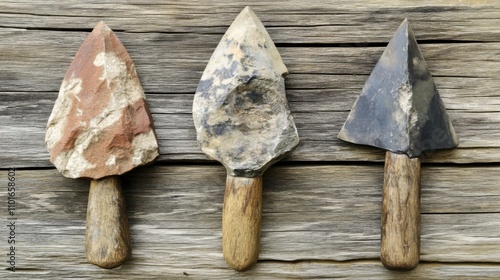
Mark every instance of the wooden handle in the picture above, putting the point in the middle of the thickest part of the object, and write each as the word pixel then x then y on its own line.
pixel 241 221
pixel 107 238
pixel 400 244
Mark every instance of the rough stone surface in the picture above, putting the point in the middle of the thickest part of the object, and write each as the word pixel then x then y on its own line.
pixel 100 124
pixel 240 109
pixel 399 108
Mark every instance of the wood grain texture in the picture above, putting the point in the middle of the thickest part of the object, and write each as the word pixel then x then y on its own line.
pixel 317 22
pixel 322 86
pixel 326 226
pixel 24 119
pixel 241 221
pixel 321 208
pixel 400 220
pixel 107 235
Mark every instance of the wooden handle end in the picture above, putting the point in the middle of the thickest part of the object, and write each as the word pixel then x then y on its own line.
pixel 241 221
pixel 107 236
pixel 400 229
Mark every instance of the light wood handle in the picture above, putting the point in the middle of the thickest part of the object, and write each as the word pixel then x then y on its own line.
pixel 241 221
pixel 107 237
pixel 400 244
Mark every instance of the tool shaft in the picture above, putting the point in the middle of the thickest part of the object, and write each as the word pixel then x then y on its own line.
pixel 107 236
pixel 241 221
pixel 400 230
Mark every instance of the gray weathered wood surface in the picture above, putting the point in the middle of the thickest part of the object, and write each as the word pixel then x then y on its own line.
pixel 321 211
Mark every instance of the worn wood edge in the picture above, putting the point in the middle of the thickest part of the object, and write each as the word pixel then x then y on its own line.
pixel 287 21
pixel 166 62
pixel 306 269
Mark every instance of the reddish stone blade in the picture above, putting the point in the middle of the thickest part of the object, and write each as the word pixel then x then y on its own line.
pixel 100 124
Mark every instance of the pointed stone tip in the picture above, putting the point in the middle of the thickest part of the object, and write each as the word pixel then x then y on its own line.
pixel 247 13
pixel 101 23
pixel 406 24
pixel 403 27
pixel 101 27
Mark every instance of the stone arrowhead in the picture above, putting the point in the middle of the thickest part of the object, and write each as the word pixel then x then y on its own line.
pixel 399 108
pixel 100 124
pixel 240 110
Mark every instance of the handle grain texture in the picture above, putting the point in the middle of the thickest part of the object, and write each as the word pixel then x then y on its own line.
pixel 400 243
pixel 107 237
pixel 241 221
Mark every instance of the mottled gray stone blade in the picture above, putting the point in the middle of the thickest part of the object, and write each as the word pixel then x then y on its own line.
pixel 399 108
pixel 100 124
pixel 240 110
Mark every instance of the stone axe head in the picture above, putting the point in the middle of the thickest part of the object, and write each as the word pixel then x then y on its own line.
pixel 100 127
pixel 242 120
pixel 399 109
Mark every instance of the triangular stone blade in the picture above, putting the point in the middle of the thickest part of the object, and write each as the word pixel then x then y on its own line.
pixel 240 110
pixel 100 124
pixel 399 108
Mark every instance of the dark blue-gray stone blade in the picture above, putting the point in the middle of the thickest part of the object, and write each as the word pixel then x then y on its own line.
pixel 399 108
pixel 240 110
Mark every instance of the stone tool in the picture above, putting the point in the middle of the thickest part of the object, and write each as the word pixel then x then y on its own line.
pixel 399 110
pixel 101 127
pixel 242 120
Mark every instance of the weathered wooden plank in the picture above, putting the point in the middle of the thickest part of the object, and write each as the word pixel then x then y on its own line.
pixel 162 268
pixel 465 74
pixel 290 21
pixel 173 63
pixel 320 221
pixel 175 217
pixel 23 117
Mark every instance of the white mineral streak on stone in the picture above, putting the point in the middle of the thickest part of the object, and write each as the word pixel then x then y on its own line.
pixel 111 160
pixel 416 62
pixel 74 163
pixel 123 94
pixel 113 67
pixel 115 71
pixel 62 107
pixel 74 86
pixel 110 115
pixel 240 109
pixel 145 148
pixel 404 98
